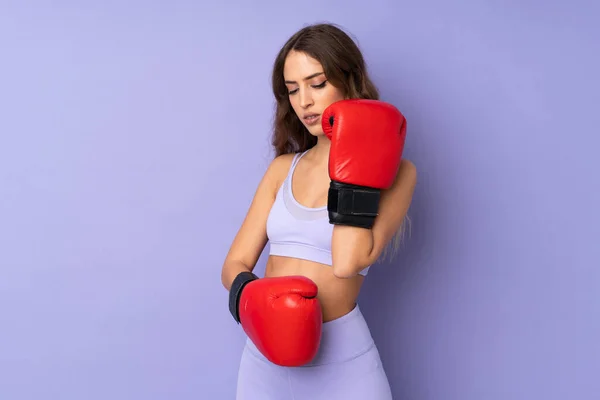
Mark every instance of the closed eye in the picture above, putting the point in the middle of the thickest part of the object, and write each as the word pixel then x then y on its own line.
pixel 319 86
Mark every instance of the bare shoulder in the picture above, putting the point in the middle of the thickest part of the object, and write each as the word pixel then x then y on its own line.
pixel 278 169
pixel 282 163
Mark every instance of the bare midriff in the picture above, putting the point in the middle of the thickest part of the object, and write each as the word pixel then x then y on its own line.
pixel 337 296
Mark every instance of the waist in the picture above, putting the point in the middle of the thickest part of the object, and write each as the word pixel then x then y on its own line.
pixel 337 296
pixel 342 339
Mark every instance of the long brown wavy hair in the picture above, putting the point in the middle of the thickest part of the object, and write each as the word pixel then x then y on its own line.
pixel 344 66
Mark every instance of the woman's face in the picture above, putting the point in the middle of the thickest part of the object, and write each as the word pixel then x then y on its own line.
pixel 309 91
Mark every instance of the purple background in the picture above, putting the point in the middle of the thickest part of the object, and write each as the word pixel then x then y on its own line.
pixel 126 129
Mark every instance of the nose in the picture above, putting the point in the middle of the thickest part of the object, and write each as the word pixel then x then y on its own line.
pixel 306 99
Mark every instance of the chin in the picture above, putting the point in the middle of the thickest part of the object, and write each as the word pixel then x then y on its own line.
pixel 315 131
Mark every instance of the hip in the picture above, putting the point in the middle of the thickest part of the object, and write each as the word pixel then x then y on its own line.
pixel 342 339
pixel 347 366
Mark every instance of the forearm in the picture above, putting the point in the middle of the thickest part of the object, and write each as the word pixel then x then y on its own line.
pixel 351 250
pixel 231 269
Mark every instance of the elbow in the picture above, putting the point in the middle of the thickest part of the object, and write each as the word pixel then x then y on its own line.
pixel 224 281
pixel 226 275
pixel 347 270
pixel 232 268
pixel 224 278
pixel 350 266
pixel 351 251
pixel 343 273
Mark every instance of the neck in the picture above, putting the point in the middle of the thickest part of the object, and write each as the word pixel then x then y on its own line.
pixel 320 151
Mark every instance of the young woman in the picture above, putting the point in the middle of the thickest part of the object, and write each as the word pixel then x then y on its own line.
pixel 307 336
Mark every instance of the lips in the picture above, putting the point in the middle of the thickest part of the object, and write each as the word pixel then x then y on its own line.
pixel 311 119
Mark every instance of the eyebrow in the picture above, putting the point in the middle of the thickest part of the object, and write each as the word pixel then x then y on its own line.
pixel 307 78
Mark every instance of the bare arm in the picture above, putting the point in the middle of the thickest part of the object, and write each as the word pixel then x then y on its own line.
pixel 353 249
pixel 251 238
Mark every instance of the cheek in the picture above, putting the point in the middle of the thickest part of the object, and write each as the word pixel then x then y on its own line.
pixel 332 94
pixel 294 103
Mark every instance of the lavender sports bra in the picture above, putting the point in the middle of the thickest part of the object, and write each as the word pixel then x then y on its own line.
pixel 298 231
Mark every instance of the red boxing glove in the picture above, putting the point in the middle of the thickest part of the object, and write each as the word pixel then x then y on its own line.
pixel 282 316
pixel 367 140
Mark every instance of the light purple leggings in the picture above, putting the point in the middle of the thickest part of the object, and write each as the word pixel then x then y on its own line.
pixel 347 367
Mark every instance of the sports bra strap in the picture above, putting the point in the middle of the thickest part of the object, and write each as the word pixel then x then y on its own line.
pixel 295 161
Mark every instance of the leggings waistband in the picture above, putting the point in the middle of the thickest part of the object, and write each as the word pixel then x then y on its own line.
pixel 342 339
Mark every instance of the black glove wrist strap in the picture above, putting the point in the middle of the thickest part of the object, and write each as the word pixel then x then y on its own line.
pixel 352 204
pixel 241 280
